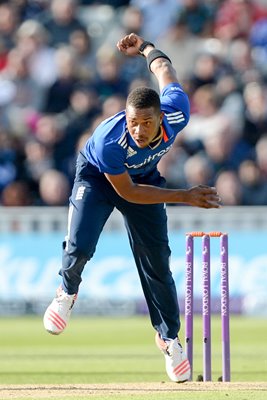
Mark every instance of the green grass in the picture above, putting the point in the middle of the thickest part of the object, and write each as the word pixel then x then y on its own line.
pixel 110 350
pixel 220 395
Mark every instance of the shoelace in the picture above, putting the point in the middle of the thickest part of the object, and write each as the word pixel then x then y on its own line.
pixel 168 348
pixel 65 296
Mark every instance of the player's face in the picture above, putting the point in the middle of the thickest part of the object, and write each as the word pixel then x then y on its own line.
pixel 143 124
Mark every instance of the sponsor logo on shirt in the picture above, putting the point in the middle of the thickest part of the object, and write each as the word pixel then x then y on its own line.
pixel 176 88
pixel 149 158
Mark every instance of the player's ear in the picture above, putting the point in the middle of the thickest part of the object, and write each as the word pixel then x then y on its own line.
pixel 161 117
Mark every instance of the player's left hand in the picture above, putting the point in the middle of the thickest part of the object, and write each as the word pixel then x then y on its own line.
pixel 130 44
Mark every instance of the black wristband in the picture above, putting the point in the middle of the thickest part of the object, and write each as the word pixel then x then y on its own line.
pixel 143 46
pixel 153 55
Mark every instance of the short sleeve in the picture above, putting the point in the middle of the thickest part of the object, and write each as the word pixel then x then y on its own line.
pixel 175 105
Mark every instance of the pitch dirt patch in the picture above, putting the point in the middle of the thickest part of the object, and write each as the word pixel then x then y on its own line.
pixel 44 391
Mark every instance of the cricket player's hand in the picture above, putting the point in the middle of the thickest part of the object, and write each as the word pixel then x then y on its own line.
pixel 130 44
pixel 203 196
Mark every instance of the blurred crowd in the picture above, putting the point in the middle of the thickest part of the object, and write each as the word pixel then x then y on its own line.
pixel 61 74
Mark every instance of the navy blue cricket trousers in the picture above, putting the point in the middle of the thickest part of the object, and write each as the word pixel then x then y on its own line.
pixel 92 201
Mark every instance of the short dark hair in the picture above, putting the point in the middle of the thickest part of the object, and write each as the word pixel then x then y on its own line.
pixel 143 97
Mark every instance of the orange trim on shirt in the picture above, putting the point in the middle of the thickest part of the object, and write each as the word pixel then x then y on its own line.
pixel 165 137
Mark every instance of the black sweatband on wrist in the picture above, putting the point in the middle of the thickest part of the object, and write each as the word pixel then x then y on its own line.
pixel 153 55
pixel 143 46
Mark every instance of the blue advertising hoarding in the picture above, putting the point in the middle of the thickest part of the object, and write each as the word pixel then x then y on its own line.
pixel 29 264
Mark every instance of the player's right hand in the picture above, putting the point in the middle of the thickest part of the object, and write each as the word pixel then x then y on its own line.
pixel 203 196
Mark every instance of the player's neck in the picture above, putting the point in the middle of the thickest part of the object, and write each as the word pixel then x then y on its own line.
pixel 157 139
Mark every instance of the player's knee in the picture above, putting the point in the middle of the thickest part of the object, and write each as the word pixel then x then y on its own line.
pixel 78 250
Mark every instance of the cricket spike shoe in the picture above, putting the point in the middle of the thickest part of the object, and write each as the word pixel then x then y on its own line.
pixel 177 364
pixel 58 312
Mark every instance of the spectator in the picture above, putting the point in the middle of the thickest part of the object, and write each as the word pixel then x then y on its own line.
pixel 223 150
pixel 83 108
pixel 25 94
pixel 197 16
pixel 31 39
pixel 58 94
pixel 230 188
pixel 261 151
pixel 253 184
pixel 255 117
pixel 131 20
pixel 158 16
pixel 112 105
pixel 54 188
pixel 205 70
pixel 258 42
pixel 38 159
pixel 9 159
pixel 3 54
pixel 198 171
pixel 8 24
pixel 236 17
pixel 139 82
pixel 108 79
pixel 179 40
pixel 172 167
pixel 207 118
pixel 241 62
pixel 17 194
pixel 30 9
pixel 49 132
pixel 61 20
pixel 229 96
pixel 81 43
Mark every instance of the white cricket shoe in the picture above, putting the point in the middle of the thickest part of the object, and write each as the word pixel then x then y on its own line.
pixel 58 312
pixel 177 364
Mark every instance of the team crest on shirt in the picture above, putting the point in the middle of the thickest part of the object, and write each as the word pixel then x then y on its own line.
pixel 130 152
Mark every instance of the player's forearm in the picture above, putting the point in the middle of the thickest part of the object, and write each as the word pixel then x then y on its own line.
pixel 198 196
pixel 164 72
pixel 145 194
pixel 162 68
